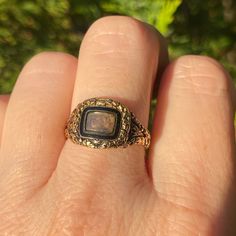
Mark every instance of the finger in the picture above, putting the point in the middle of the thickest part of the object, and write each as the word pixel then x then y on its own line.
pixel 193 145
pixel 3 106
pixel 33 132
pixel 232 91
pixel 118 60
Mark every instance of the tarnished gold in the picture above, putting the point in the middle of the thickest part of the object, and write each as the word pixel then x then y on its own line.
pixel 131 131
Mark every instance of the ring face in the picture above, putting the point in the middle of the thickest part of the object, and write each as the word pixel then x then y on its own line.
pixel 105 123
pixel 99 123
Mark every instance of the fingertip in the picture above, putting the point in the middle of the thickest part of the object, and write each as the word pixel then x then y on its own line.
pixel 200 75
pixel 44 62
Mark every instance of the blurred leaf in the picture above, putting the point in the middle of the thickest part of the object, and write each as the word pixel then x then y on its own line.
pixel 192 27
pixel 166 15
pixel 157 13
pixel 206 29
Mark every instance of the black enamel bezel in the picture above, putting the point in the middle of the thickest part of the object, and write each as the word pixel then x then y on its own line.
pixel 92 134
pixel 123 125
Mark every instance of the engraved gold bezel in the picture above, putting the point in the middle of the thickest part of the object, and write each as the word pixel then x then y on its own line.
pixel 73 126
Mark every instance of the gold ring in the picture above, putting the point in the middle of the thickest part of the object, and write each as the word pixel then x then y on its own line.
pixel 105 123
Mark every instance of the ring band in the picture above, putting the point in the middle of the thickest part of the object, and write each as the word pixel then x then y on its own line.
pixel 105 123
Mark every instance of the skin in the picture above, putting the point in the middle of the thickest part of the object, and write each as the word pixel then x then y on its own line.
pixel 186 184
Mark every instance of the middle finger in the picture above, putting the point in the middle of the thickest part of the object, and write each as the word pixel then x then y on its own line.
pixel 118 59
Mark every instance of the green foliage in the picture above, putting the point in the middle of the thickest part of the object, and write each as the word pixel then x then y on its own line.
pixel 157 13
pixel 28 27
pixel 206 29
pixel 165 16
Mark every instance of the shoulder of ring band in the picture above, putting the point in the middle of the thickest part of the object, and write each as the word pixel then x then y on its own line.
pixel 105 123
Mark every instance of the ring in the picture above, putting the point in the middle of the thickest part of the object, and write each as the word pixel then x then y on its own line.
pixel 105 123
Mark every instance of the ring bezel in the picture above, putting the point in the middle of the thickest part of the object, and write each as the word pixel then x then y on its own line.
pixel 93 134
pixel 76 124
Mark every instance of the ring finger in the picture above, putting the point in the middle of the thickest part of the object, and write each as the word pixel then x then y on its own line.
pixel 118 59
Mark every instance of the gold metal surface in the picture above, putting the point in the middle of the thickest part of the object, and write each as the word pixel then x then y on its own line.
pixel 131 130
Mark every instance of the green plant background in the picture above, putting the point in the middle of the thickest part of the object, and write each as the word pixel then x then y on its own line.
pixel 28 27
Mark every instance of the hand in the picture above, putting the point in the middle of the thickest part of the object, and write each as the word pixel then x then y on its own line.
pixel 186 185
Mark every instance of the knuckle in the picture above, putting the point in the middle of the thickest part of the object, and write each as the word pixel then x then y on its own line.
pixel 49 62
pixel 200 74
pixel 119 32
pixel 115 24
